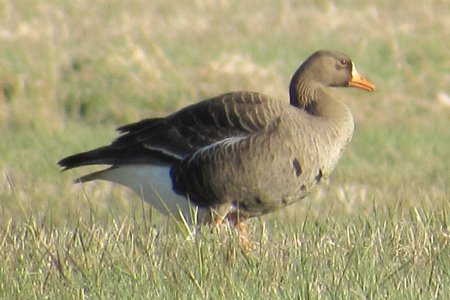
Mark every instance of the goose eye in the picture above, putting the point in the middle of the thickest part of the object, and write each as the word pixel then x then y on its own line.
pixel 344 61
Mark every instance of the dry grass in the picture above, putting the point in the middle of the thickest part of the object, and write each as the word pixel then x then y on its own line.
pixel 68 59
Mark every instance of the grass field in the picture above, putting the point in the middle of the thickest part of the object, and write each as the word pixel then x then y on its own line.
pixel 72 71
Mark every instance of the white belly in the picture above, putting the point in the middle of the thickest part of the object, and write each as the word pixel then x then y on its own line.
pixel 154 185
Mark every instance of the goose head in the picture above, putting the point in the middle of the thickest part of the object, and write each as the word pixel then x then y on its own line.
pixel 325 68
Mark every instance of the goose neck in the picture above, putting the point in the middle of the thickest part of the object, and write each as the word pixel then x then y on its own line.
pixel 313 98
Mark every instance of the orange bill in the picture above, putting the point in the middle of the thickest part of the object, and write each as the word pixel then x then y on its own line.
pixel 358 81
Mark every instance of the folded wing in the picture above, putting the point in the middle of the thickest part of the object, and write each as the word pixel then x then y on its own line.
pixel 171 139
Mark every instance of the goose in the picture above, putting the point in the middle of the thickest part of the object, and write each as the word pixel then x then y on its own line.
pixel 238 155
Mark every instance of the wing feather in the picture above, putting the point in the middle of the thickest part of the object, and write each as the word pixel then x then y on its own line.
pixel 232 115
pixel 202 124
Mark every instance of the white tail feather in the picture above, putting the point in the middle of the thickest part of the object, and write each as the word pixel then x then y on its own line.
pixel 154 185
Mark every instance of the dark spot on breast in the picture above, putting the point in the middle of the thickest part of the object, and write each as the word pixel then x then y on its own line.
pixel 297 167
pixel 319 176
pixel 258 200
pixel 303 188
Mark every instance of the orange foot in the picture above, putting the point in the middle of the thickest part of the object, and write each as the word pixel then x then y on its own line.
pixel 237 220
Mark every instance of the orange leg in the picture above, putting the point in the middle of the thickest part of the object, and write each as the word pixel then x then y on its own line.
pixel 217 220
pixel 238 220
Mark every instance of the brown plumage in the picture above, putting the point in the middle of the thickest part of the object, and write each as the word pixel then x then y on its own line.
pixel 238 154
